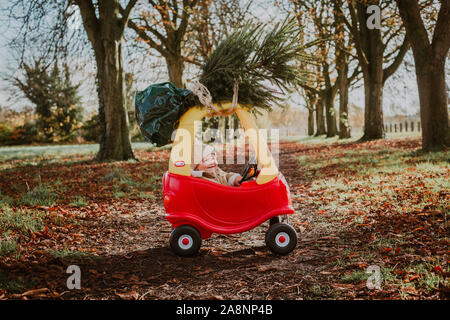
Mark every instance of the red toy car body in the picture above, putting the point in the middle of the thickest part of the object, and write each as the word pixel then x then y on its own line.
pixel 214 208
pixel 197 207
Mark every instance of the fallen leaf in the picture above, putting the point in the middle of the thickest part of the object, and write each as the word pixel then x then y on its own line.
pixel 119 276
pixel 214 297
pixel 132 295
pixel 414 277
pixel 35 292
pixel 266 268
pixel 437 269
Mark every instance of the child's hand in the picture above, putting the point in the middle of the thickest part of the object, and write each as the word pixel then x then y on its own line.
pixel 237 181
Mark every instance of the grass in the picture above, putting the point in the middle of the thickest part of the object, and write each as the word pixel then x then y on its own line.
pixel 21 220
pixel 113 174
pixel 322 291
pixel 154 183
pixel 355 137
pixel 147 195
pixel 8 246
pixel 429 279
pixel 12 284
pixel 41 195
pixel 379 175
pixel 22 156
pixel 5 201
pixel 394 198
pixel 79 202
pixel 355 277
pixel 29 152
pixel 352 183
pixel 128 185
pixel 72 255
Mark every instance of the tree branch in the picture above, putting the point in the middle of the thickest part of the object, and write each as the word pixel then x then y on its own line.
pixel 390 70
pixel 441 36
pixel 141 33
pixel 187 6
pixel 126 12
pixel 90 21
pixel 356 36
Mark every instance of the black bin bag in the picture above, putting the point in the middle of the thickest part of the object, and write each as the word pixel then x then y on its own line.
pixel 158 109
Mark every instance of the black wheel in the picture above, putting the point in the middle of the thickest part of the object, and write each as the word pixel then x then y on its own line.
pixel 185 241
pixel 274 220
pixel 281 238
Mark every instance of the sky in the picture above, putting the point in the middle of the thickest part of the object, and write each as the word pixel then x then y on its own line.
pixel 400 94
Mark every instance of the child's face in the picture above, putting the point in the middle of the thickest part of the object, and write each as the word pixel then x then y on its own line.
pixel 208 163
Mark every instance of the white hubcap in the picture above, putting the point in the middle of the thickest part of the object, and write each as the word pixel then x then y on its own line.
pixel 185 242
pixel 282 239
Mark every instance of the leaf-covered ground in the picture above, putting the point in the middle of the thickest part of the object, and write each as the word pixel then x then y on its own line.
pixel 379 204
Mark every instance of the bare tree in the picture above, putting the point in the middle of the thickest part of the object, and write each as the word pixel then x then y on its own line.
pixel 163 25
pixel 333 55
pixel 375 46
pixel 185 31
pixel 430 58
pixel 213 20
pixel 104 23
pixel 342 67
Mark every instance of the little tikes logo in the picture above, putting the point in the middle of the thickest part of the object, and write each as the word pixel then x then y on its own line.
pixel 179 164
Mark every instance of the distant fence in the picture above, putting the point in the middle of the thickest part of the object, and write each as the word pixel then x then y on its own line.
pixel 407 126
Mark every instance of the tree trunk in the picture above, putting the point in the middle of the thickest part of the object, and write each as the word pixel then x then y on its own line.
pixel 373 86
pixel 330 113
pixel 343 83
pixel 429 61
pixel 105 34
pixel 373 113
pixel 311 101
pixel 175 67
pixel 310 122
pixel 114 134
pixel 433 102
pixel 320 120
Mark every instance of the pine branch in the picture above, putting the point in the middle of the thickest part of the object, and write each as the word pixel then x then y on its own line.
pixel 256 56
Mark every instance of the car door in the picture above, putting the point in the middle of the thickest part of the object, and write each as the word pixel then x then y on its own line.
pixel 230 205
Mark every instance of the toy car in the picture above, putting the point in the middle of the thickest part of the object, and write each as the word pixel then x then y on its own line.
pixel 197 208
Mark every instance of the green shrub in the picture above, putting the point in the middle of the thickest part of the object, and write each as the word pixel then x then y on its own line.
pixel 5 133
pixel 24 134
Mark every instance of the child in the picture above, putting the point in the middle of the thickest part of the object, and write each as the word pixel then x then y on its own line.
pixel 208 169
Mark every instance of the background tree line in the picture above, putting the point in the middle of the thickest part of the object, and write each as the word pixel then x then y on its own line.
pixel 183 33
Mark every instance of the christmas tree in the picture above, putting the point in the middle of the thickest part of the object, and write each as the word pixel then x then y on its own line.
pixel 261 60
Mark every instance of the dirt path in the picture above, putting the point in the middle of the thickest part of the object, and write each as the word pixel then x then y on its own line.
pixel 134 261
